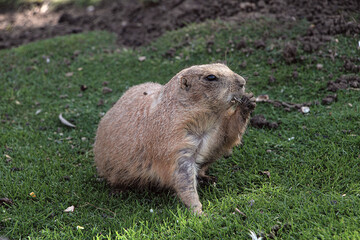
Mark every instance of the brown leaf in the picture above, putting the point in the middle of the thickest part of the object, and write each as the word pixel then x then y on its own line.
pixel 262 98
pixel 100 102
pixel 83 87
pixel 266 173
pixel 6 201
pixel 69 74
pixel 106 90
pixel 142 58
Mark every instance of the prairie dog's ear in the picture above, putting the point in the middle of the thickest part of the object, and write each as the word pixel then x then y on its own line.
pixel 185 84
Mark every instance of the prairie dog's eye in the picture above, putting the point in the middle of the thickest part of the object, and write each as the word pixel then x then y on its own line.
pixel 211 78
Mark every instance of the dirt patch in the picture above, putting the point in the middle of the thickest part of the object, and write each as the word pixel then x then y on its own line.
pixel 290 53
pixel 344 82
pixel 137 23
pixel 329 99
pixel 259 121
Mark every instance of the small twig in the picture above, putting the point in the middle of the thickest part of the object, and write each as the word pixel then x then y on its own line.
pixel 99 208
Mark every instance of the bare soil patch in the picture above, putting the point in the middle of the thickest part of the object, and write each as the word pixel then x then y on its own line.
pixel 137 23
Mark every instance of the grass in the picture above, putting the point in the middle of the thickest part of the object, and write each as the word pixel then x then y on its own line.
pixel 314 188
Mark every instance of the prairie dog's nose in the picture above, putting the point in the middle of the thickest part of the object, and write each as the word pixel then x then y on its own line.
pixel 240 81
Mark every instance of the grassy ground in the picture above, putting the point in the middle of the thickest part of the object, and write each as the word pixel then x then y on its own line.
pixel 314 162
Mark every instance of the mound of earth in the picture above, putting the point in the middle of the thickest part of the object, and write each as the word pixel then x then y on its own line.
pixel 138 22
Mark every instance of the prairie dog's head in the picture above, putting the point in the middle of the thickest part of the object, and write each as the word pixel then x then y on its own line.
pixel 211 84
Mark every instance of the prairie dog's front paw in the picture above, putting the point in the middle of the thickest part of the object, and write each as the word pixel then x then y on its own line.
pixel 248 102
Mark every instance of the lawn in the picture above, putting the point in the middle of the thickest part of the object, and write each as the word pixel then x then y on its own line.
pixel 312 190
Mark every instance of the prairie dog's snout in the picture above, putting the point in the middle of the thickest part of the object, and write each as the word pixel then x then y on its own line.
pixel 237 88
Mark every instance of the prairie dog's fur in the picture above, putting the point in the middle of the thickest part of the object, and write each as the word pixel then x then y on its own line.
pixel 167 135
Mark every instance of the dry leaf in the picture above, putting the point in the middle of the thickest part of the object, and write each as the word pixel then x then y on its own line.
pixel 262 98
pixel 142 58
pixel 32 194
pixel 69 209
pixel 100 102
pixel 83 87
pixel 6 201
pixel 65 122
pixel 69 74
pixel 254 236
pixel 106 90
pixel 266 173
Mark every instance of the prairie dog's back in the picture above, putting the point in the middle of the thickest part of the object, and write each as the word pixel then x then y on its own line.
pixel 120 153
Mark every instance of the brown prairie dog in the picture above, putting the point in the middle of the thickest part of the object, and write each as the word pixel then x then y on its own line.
pixel 167 135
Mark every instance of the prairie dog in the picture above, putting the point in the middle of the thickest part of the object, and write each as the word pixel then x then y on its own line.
pixel 167 135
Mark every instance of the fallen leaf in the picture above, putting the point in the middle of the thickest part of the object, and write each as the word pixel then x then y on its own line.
pixel 69 74
pixel 6 201
pixel 106 90
pixel 142 58
pixel 65 122
pixel 32 194
pixel 266 173
pixel 38 111
pixel 100 102
pixel 83 87
pixel 262 98
pixel 17 102
pixel 254 236
pixel 69 209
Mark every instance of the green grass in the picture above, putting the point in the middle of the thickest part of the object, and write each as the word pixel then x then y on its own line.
pixel 315 182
